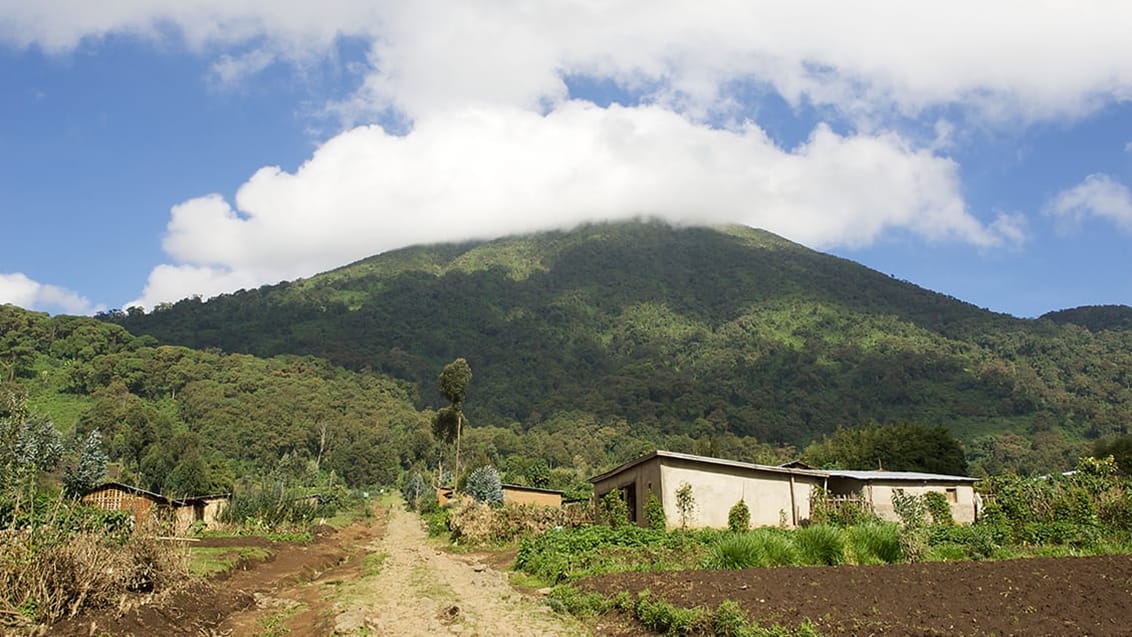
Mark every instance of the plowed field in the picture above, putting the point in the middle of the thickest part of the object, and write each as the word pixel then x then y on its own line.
pixel 1025 597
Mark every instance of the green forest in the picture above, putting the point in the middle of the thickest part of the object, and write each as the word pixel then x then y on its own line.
pixel 586 349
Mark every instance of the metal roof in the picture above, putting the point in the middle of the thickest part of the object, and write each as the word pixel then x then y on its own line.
pixel 900 476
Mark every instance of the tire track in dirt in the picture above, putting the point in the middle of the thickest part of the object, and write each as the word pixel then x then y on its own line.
pixel 421 591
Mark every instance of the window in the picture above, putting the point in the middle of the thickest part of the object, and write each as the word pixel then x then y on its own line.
pixel 953 495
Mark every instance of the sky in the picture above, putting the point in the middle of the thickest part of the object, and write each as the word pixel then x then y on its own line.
pixel 153 150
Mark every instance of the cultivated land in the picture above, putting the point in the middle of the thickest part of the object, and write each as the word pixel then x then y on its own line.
pixel 1024 597
pixel 382 577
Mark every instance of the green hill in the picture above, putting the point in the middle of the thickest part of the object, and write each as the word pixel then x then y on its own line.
pixel 675 331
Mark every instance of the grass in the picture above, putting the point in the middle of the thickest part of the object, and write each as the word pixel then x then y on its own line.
pixel 207 561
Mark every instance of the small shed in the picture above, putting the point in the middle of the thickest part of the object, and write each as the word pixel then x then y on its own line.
pixel 514 494
pixel 202 508
pixel 147 505
pixel 116 496
pixel 519 494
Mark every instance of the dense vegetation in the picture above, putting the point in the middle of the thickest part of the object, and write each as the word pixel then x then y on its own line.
pixel 689 332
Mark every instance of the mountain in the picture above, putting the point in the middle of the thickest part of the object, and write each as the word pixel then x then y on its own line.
pixel 1094 317
pixel 676 330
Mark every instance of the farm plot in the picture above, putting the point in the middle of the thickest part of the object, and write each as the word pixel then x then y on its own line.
pixel 1031 597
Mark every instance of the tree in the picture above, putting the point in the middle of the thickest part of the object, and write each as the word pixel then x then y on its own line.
pixel 449 421
pixel 485 486
pixel 685 504
pixel 88 468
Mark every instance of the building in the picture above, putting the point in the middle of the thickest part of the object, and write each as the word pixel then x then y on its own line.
pixel 145 506
pixel 775 496
pixel 514 494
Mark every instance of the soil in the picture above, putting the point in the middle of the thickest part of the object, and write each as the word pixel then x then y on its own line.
pixel 383 577
pixel 379 577
pixel 1025 597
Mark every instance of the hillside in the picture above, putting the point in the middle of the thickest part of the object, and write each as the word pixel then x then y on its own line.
pixel 681 331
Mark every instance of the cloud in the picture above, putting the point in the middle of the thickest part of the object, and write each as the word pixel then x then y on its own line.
pixel 1007 60
pixel 1099 195
pixel 231 70
pixel 488 171
pixel 18 289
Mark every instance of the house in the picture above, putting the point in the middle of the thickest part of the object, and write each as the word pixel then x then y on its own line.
pixel 519 494
pixel 201 508
pixel 143 505
pixel 146 505
pixel 514 494
pixel 876 488
pixel 774 495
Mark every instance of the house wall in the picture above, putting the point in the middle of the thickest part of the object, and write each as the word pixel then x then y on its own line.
pixel 642 479
pixel 522 496
pixel 879 493
pixel 212 510
pixel 115 499
pixel 772 497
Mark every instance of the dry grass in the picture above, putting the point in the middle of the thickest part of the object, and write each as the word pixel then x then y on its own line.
pixel 476 523
pixel 48 577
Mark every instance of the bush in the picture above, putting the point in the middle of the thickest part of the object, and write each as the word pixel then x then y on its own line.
pixel 937 506
pixel 52 568
pixel 654 514
pixel 876 543
pixel 759 548
pixel 739 517
pixel 614 510
pixel 485 485
pixel 820 544
pixel 413 490
pixel 560 554
pixel 663 617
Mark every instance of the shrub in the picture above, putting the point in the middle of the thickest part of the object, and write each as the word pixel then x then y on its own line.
pixel 654 514
pixel 876 542
pixel 937 506
pixel 614 510
pixel 485 485
pixel 685 504
pixel 559 554
pixel 820 544
pixel 739 517
pixel 413 490
pixel 759 548
pixel 666 618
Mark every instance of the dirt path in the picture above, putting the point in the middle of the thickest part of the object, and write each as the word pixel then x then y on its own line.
pixel 420 590
pixel 374 577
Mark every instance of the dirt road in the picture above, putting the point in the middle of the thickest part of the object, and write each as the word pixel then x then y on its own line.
pixel 420 590
pixel 376 577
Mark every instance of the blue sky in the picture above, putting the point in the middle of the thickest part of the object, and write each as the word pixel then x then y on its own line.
pixel 152 151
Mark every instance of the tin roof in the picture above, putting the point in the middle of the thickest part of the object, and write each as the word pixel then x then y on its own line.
pixel 867 476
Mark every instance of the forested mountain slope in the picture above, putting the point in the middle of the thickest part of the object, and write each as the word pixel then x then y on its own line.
pixel 682 331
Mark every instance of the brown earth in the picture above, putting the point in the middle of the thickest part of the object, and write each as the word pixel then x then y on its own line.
pixel 1025 597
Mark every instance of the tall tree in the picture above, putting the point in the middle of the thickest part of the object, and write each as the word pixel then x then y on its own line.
pixel 449 422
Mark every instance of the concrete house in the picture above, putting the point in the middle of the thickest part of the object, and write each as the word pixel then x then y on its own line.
pixel 774 495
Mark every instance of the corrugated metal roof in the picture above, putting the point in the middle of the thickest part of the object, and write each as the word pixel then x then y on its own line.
pixel 900 476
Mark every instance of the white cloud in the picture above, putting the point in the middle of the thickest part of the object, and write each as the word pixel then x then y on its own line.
pixel 17 289
pixel 231 70
pixel 1008 60
pixel 488 171
pixel 1099 195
